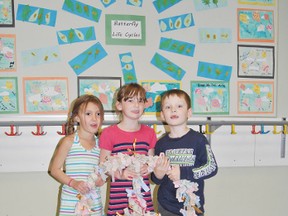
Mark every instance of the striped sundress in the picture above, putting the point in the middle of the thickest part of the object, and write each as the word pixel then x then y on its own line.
pixel 80 163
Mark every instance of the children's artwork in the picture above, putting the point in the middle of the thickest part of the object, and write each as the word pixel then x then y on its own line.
pixel 214 71
pixel 162 5
pixel 102 87
pixel 76 35
pixel 176 22
pixel 9 95
pixel 176 46
pixel 7 52
pixel 258 2
pixel 83 10
pixel 255 97
pixel 128 68
pixel 154 90
pixel 167 67
pixel 215 35
pixel 7 13
pixel 207 4
pixel 107 3
pixel 45 95
pixel 40 56
pixel 125 30
pixel 137 3
pixel 255 25
pixel 256 61
pixel 88 58
pixel 36 15
pixel 210 97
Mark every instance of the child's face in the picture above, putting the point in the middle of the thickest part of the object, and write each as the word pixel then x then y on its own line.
pixel 132 108
pixel 175 111
pixel 89 118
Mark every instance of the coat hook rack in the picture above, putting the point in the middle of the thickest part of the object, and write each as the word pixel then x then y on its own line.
pixel 63 132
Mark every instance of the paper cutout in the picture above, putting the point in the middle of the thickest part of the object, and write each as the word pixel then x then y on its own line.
pixel 9 95
pixel 258 2
pixel 83 10
pixel 40 56
pixel 255 25
pixel 128 68
pixel 214 71
pixel 176 22
pixel 76 35
pixel 88 58
pixel 137 3
pixel 210 97
pixel 102 87
pixel 7 52
pixel 45 95
pixel 215 35
pixel 177 46
pixel 255 97
pixel 36 15
pixel 205 5
pixel 168 67
pixel 162 5
pixel 107 3
pixel 154 90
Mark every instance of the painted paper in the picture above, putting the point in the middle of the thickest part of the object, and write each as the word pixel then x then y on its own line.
pixel 7 13
pixel 210 97
pixel 154 90
pixel 102 87
pixel 9 95
pixel 45 95
pixel 88 58
pixel 177 46
pixel 107 3
pixel 215 35
pixel 258 2
pixel 36 15
pixel 7 52
pixel 255 61
pixel 255 25
pixel 214 71
pixel 162 5
pixel 80 9
pixel 176 22
pixel 128 69
pixel 255 97
pixel 40 56
pixel 137 3
pixel 207 4
pixel 167 67
pixel 76 35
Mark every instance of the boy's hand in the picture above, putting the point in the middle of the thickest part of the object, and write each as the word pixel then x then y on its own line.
pixel 162 166
pixel 144 170
pixel 174 173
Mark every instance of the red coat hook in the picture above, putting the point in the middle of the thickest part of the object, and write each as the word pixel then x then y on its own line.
pixel 254 130
pixel 63 132
pixel 39 131
pixel 13 132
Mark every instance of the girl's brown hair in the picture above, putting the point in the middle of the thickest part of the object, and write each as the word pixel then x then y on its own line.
pixel 79 104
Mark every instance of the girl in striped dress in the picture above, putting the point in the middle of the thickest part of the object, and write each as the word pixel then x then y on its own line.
pixel 77 155
pixel 128 134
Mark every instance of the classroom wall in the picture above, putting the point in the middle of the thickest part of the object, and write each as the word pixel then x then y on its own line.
pixel 251 180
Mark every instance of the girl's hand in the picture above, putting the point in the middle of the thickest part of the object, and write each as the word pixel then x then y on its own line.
pixel 81 186
pixel 99 182
pixel 174 173
pixel 144 170
pixel 126 174
pixel 162 166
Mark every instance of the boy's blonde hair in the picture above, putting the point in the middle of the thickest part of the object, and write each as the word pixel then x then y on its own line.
pixel 179 93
